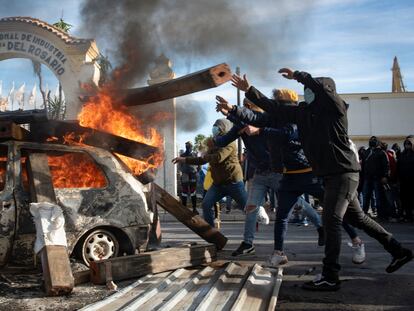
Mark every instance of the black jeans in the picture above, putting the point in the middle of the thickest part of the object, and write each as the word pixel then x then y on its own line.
pixel 341 203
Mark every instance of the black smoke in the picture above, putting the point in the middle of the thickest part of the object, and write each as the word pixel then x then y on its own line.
pixel 192 33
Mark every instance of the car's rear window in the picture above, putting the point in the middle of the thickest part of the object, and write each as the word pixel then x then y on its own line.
pixel 69 170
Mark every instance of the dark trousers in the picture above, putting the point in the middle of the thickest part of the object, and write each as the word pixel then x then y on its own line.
pixel 374 186
pixel 341 203
pixel 407 201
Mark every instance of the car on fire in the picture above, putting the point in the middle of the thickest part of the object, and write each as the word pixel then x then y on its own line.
pixel 106 210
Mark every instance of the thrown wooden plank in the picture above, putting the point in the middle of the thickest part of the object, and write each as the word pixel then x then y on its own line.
pixel 57 272
pixel 153 262
pixel 58 129
pixel 191 83
pixel 195 222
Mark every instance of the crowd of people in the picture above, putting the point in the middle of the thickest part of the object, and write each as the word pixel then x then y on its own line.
pixel 299 149
pixel 386 179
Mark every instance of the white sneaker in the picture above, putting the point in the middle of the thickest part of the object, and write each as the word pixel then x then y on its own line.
pixel 277 258
pixel 358 253
pixel 262 216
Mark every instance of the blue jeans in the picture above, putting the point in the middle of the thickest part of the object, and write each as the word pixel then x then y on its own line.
pixel 257 189
pixel 292 186
pixel 310 212
pixel 372 195
pixel 216 192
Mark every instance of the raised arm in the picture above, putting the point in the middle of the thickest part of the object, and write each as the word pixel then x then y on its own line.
pixel 220 155
pixel 323 88
pixel 230 136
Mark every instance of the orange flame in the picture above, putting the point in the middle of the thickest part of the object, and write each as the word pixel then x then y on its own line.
pixel 99 113
pixel 63 174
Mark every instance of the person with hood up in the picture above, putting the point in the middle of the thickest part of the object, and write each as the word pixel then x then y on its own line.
pixel 405 172
pixel 188 178
pixel 376 172
pixel 298 178
pixel 263 178
pixel 323 133
pixel 225 170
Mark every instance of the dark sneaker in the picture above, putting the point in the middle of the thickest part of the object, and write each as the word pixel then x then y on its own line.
pixel 398 262
pixel 321 236
pixel 320 283
pixel 244 249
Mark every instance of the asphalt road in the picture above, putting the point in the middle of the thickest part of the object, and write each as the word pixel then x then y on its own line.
pixel 364 287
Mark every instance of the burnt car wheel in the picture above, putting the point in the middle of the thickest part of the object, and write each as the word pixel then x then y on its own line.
pixel 98 245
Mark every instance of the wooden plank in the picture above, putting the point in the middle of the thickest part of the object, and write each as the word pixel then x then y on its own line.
pixel 24 116
pixel 58 129
pixel 82 277
pixel 57 272
pixel 195 222
pixel 191 83
pixel 40 180
pixel 153 262
pixel 10 130
pixel 256 292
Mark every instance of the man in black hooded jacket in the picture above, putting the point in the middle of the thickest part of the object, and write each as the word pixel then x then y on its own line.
pixel 323 132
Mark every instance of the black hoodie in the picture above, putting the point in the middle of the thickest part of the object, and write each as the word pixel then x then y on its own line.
pixel 405 163
pixel 322 124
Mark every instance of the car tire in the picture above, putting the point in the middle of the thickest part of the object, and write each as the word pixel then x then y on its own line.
pixel 98 245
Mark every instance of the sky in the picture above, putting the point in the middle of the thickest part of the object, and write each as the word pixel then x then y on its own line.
pixel 352 41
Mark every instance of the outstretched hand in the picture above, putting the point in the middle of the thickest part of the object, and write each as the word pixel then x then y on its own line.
pixel 241 83
pixel 223 105
pixel 178 160
pixel 287 73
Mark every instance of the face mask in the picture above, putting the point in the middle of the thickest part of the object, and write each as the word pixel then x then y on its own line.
pixel 309 96
pixel 215 131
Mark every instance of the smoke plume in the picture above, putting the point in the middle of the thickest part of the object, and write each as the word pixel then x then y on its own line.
pixel 190 114
pixel 135 32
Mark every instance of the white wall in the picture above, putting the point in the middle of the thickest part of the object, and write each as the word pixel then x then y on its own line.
pixel 387 115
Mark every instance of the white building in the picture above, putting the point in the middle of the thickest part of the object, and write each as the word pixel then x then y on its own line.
pixel 388 116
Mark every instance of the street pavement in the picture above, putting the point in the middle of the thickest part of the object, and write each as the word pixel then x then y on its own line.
pixel 364 287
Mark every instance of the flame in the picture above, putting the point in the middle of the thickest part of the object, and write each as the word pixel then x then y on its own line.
pixel 100 113
pixel 86 174
pixel 63 174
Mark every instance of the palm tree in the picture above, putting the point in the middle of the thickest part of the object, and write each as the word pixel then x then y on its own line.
pixel 62 25
pixel 105 67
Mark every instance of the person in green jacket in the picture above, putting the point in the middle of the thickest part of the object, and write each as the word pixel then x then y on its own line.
pixel 225 170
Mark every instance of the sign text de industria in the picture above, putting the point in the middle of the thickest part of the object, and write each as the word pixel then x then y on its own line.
pixel 34 46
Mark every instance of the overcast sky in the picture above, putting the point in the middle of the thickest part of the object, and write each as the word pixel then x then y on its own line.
pixel 353 41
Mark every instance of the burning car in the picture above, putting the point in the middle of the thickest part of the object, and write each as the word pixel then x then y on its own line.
pixel 105 207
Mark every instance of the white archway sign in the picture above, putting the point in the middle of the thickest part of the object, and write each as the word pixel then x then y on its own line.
pixel 69 58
